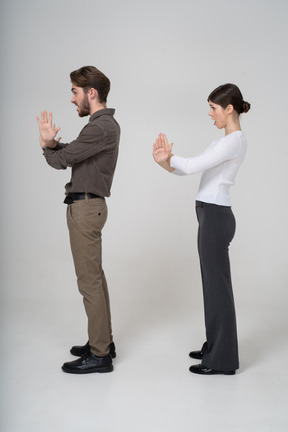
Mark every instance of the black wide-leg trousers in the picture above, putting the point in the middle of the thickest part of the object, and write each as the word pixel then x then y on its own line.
pixel 216 231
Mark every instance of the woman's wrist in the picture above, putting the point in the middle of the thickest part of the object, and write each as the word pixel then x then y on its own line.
pixel 169 157
pixel 166 165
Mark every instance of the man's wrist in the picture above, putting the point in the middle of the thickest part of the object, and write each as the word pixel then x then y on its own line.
pixel 51 144
pixel 48 144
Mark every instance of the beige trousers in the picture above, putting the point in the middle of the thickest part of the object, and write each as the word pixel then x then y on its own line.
pixel 85 220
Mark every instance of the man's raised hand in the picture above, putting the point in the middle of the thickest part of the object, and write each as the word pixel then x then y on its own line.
pixel 48 131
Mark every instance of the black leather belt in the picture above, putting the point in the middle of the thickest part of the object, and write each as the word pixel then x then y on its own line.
pixel 71 197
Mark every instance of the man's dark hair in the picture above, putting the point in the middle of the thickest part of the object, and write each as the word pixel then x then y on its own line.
pixel 90 77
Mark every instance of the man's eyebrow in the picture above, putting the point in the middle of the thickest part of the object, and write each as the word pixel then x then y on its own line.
pixel 73 89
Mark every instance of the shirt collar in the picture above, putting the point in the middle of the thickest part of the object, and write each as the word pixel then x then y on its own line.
pixel 104 111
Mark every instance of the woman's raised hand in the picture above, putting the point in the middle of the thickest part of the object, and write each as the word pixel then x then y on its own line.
pixel 162 149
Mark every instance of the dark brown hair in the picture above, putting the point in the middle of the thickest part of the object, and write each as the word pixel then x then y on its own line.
pixel 89 77
pixel 227 94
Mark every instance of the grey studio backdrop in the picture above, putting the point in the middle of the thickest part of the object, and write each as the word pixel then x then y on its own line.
pixel 163 59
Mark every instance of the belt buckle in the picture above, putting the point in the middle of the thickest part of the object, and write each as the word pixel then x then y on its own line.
pixel 68 200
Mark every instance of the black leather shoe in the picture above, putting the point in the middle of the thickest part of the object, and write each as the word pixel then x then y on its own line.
pixel 89 363
pixel 203 370
pixel 79 351
pixel 198 355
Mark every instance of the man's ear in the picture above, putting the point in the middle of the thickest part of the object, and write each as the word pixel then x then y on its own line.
pixel 93 94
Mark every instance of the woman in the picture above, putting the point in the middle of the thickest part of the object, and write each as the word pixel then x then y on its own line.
pixel 219 164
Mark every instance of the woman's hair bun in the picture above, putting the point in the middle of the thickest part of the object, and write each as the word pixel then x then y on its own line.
pixel 246 106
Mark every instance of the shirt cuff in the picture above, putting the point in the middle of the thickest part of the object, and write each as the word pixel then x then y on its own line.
pixel 174 164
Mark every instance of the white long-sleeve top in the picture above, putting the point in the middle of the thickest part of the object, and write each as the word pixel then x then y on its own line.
pixel 219 164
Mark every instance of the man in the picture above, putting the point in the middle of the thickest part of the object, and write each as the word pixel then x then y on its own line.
pixel 92 157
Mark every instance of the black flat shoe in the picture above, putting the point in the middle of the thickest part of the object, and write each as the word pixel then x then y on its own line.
pixel 198 355
pixel 89 363
pixel 203 370
pixel 79 351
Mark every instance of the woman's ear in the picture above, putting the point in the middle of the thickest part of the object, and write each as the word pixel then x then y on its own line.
pixel 229 108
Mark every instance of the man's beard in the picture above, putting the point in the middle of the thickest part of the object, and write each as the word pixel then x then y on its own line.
pixel 84 107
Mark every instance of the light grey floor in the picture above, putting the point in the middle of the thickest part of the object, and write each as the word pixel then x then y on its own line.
pixel 151 388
